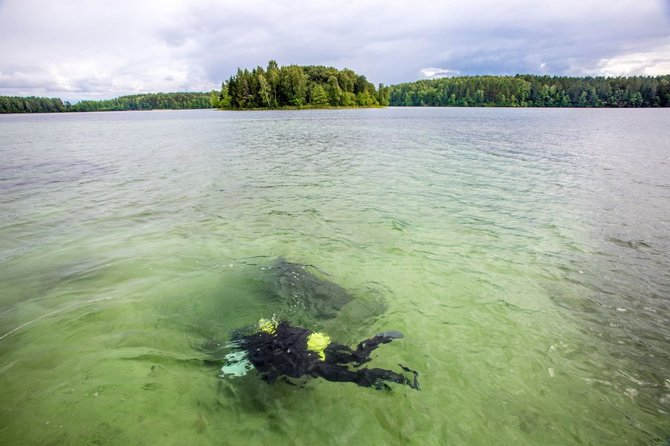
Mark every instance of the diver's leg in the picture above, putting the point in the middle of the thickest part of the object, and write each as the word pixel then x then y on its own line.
pixel 363 377
pixel 376 378
pixel 332 372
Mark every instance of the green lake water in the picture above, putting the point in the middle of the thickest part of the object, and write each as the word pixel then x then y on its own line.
pixel 524 253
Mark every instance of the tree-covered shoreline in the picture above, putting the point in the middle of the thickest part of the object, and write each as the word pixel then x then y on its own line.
pixel 294 86
pixel 309 87
pixel 149 101
pixel 31 104
pixel 534 91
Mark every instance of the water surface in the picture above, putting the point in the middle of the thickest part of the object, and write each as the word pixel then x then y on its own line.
pixel 523 252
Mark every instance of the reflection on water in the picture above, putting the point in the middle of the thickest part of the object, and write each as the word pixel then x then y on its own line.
pixel 523 253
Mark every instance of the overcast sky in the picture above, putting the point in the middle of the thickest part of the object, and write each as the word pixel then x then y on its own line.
pixel 78 49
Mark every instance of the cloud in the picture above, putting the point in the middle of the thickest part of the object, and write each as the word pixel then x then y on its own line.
pixel 433 73
pixel 649 63
pixel 80 49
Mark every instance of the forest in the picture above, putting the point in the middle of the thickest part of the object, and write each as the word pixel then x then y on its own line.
pixel 311 86
pixel 534 91
pixel 297 86
pixel 150 101
pixel 31 104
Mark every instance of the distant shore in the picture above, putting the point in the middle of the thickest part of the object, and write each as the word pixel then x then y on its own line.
pixel 467 91
pixel 149 101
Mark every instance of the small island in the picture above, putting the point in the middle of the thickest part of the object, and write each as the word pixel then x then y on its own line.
pixel 294 86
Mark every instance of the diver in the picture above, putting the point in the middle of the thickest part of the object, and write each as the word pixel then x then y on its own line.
pixel 280 350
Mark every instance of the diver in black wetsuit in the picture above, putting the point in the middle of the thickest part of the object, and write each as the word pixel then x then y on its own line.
pixel 278 349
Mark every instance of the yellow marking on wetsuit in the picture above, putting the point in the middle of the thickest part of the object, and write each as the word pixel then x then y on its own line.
pixel 317 342
pixel 268 326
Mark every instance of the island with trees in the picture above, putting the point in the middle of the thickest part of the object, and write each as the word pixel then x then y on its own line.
pixel 294 86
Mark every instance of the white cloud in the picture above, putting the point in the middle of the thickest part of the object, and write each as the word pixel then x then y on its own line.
pixel 654 60
pixel 438 72
pixel 647 63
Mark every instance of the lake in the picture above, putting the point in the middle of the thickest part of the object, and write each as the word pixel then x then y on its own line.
pixel 524 254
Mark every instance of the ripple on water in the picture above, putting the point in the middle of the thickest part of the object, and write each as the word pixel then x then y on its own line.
pixel 523 253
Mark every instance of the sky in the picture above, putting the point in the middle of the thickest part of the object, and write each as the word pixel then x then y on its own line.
pixel 95 49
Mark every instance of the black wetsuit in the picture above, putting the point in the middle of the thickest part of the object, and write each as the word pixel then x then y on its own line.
pixel 284 353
